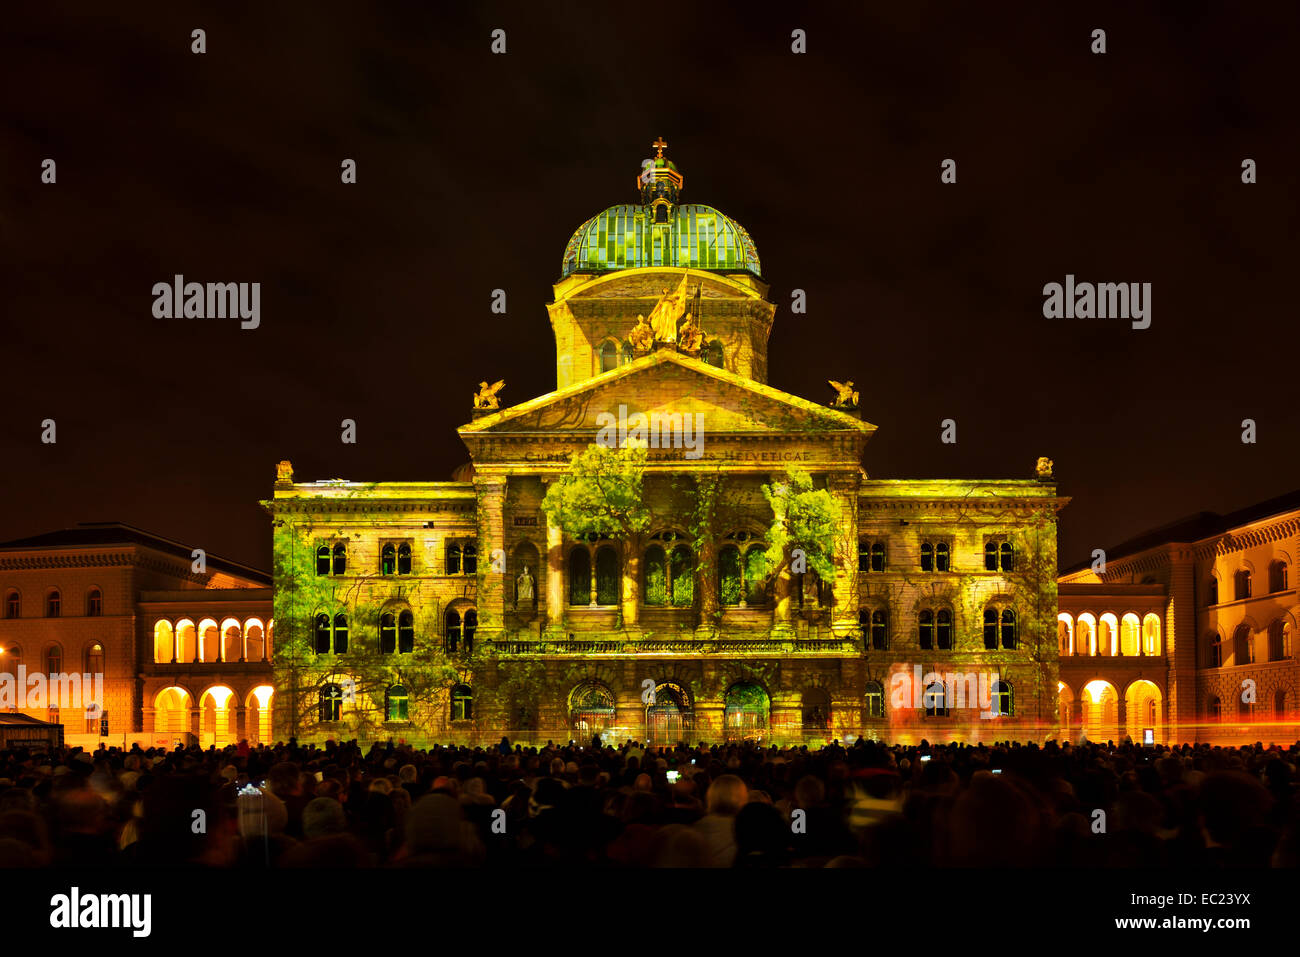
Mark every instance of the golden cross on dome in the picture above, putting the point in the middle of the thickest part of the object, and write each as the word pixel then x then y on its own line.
pixel 659 146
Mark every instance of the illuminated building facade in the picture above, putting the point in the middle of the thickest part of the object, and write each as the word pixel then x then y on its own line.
pixel 184 653
pixel 1189 631
pixel 436 611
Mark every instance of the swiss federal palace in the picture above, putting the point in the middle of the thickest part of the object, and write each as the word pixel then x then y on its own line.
pixel 466 610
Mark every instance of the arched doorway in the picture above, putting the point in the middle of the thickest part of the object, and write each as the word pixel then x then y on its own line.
pixel 171 716
pixel 1065 710
pixel 671 717
pixel 217 719
pixel 747 711
pixel 591 710
pixel 1143 702
pixel 258 723
pixel 1100 711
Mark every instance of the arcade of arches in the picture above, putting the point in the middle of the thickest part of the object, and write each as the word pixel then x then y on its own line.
pixel 221 716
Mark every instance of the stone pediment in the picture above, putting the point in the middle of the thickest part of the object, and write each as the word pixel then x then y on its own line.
pixel 667 383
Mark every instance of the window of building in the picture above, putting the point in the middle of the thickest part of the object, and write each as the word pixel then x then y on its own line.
pixel 95 659
pixel 387 633
pixel 53 602
pixel 879 629
pixel 1279 640
pixel 1279 704
pixel 396 704
pixel 462 703
pixel 53 660
pixel 934 556
pixel 1008 628
pixel 999 555
pixel 95 603
pixel 871 556
pixel 926 630
pixel 943 629
pixel 453 559
pixel 405 633
pixel 469 559
pixel 1214 710
pixel 990 628
pixel 1002 700
pixel 340 634
pixel 580 576
pixel 323 560
pixel 459 634
pixel 1214 590
pixel 388 559
pixel 936 700
pixel 608 577
pixel 1243 652
pixel 331 703
pixel 608 356
pixel 1214 643
pixel 404 558
pixel 321 634
pixel 875 703
pixel 1242 581
pixel 13 605
pixel 1277 577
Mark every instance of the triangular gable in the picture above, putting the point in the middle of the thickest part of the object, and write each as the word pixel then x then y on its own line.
pixel 667 382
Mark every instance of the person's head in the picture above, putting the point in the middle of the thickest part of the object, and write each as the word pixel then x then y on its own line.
pixel 323 816
pixel 282 780
pixel 727 795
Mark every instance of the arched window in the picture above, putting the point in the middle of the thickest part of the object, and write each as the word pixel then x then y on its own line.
pixel 340 634
pixel 729 575
pixel 387 633
pixel 13 604
pixel 1277 576
pixel 331 702
pixel 1242 580
pixel 340 559
pixel 396 704
pixel 608 356
pixel 1275 641
pixel 1214 710
pixel 943 629
pixel 941 557
pixel 1063 648
pixel 388 560
pixel 405 633
pixel 11 656
pixel 927 557
pixel 53 602
pixel 656 576
pixel 990 556
pixel 580 576
pixel 469 559
pixel 1008 628
pixel 462 703
pixel 756 575
pixel 935 700
pixel 53 660
pixel 95 603
pixel 95 659
pixel 453 559
pixel 1002 701
pixel 607 576
pixel 323 560
pixel 404 559
pixel 1279 704
pixel 871 556
pixel 164 644
pixel 454 631
pixel 321 633
pixel 875 703
pixel 1243 652
pixel 990 628
pixel 1151 635
pixel 1214 590
pixel 681 577
pixel 1214 646
pixel 934 556
pixel 1007 557
pixel 926 629
pixel 864 556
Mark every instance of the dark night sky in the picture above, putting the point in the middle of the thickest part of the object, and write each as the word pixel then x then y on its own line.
pixel 474 170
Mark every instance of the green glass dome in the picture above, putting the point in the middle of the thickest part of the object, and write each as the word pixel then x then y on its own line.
pixel 625 237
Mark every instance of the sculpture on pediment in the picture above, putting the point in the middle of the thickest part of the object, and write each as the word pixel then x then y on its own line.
pixel 690 337
pixel 642 337
pixel 284 472
pixel 1044 468
pixel 487 395
pixel 845 397
pixel 667 312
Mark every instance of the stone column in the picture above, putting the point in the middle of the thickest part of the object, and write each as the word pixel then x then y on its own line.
pixel 491 602
pixel 843 487
pixel 632 582
pixel 706 564
pixel 554 575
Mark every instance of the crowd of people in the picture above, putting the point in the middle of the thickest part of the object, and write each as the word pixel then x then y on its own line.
pixel 625 806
